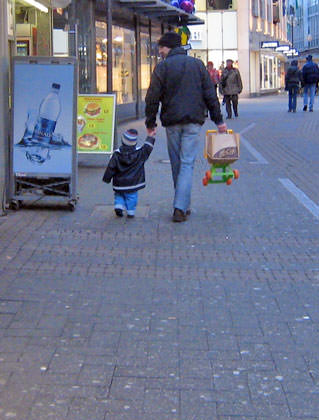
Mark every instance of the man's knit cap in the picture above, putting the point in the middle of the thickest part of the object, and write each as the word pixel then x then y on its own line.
pixel 170 40
pixel 129 137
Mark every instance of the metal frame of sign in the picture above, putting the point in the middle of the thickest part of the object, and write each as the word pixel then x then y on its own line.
pixel 97 124
pixel 56 178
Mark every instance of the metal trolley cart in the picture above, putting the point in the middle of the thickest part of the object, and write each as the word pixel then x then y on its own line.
pixel 43 157
pixel 220 151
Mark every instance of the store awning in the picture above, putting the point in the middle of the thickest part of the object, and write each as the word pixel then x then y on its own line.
pixel 158 9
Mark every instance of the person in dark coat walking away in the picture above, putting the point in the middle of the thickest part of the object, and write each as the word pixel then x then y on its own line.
pixel 292 83
pixel 231 86
pixel 310 75
pixel 126 167
pixel 183 87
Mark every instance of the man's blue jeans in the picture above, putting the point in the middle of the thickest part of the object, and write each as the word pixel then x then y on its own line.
pixel 182 145
pixel 292 105
pixel 126 201
pixel 312 90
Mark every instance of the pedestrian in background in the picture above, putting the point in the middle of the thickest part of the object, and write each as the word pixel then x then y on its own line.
pixel 310 75
pixel 213 73
pixel 292 84
pixel 231 86
pixel 126 168
pixel 182 85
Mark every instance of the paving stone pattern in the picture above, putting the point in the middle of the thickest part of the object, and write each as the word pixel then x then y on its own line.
pixel 213 319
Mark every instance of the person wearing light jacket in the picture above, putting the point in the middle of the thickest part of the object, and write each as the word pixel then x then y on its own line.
pixel 231 87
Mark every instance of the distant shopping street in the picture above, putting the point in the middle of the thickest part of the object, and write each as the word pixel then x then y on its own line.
pixel 144 319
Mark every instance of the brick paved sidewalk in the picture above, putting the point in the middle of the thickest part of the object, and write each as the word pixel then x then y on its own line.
pixel 213 319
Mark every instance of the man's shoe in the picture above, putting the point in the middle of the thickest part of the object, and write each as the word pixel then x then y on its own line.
pixel 119 212
pixel 289 110
pixel 294 110
pixel 236 115
pixel 310 110
pixel 228 117
pixel 130 216
pixel 304 108
pixel 179 216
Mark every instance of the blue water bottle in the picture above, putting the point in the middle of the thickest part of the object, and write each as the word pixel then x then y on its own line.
pixel 49 112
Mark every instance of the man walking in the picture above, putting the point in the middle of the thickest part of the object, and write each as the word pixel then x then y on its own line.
pixel 183 87
pixel 310 75
pixel 231 86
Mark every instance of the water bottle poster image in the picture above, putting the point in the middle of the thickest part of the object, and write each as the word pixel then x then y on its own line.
pixel 95 123
pixel 43 118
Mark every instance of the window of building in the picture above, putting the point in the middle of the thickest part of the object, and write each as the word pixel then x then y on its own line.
pixel 145 63
pixel 262 9
pixel 221 4
pixel 269 11
pixel 270 72
pixel 101 57
pixel 124 64
pixel 254 8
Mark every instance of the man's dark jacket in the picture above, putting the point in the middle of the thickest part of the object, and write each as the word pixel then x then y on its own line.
pixel 126 167
pixel 310 73
pixel 183 87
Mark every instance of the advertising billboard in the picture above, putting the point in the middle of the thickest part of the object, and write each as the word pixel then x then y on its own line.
pixel 95 123
pixel 43 118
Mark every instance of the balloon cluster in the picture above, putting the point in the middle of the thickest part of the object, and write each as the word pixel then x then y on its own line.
pixel 187 5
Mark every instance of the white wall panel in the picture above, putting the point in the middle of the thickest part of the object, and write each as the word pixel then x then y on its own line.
pixel 214 23
pixel 230 30
pixel 201 30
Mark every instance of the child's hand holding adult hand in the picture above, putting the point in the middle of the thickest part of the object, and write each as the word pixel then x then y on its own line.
pixel 151 132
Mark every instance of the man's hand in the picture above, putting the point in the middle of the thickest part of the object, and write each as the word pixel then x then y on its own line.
pixel 151 132
pixel 222 128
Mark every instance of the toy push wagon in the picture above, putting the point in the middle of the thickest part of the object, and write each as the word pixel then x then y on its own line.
pixel 221 149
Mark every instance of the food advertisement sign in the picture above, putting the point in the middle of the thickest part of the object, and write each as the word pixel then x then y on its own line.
pixel 95 123
pixel 43 104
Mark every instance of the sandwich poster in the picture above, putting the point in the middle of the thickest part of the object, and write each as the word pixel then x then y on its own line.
pixel 95 123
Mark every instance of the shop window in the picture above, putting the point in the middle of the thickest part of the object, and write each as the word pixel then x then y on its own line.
pixel 221 4
pixel 101 57
pixel 33 28
pixel 124 74
pixel 145 63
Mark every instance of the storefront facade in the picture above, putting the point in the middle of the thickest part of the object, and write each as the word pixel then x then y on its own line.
pixel 82 28
pixel 235 30
pixel 114 41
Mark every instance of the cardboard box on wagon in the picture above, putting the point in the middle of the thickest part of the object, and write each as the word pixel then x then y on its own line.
pixel 221 148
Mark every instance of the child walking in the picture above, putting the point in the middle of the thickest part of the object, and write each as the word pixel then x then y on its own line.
pixel 126 167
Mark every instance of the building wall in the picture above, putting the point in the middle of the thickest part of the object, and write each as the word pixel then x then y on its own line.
pixel 4 103
pixel 237 33
pixel 244 58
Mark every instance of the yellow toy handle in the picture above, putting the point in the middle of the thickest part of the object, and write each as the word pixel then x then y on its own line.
pixel 229 131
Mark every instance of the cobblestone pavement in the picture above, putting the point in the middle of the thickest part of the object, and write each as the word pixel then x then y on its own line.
pixel 213 319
